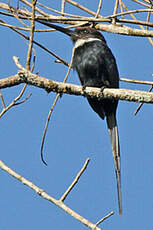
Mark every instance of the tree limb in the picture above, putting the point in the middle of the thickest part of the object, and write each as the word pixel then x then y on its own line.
pixel 24 76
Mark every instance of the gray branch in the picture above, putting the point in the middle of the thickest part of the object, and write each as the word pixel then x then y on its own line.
pixel 24 76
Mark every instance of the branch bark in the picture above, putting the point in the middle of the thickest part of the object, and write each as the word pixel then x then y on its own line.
pixel 25 76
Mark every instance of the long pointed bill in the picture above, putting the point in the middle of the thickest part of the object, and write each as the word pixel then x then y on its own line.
pixel 59 28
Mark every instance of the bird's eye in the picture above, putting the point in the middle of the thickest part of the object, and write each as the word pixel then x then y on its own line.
pixel 85 31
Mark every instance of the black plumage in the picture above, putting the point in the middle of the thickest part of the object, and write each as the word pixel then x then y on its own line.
pixel 96 67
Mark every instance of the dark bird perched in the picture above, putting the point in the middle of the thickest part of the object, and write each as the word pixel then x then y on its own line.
pixel 96 67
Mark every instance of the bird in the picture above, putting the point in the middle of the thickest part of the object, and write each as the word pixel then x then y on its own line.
pixel 96 66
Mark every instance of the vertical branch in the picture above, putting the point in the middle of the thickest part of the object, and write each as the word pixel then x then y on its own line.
pixel 2 100
pixel 148 19
pixel 121 7
pixel 62 7
pixel 99 8
pixel 31 35
pixel 116 7
pixel 30 43
pixel 115 10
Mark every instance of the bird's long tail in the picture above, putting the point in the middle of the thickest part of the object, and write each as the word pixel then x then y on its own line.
pixel 113 133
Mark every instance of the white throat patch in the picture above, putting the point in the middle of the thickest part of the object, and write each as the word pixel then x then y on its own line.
pixel 81 42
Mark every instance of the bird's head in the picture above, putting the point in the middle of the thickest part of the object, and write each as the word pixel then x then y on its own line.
pixel 80 33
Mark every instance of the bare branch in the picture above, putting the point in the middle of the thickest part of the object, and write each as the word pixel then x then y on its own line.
pixel 139 107
pixel 120 29
pixel 115 10
pixel 36 8
pixel 51 199
pixel 99 8
pixel 14 102
pixel 62 7
pixel 75 180
pixel 59 87
pixel 82 7
pixel 2 100
pixel 104 218
pixel 136 81
pixel 141 3
pixel 31 35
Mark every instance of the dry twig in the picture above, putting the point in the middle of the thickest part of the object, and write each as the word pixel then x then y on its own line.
pixel 51 199
pixel 51 110
pixel 75 180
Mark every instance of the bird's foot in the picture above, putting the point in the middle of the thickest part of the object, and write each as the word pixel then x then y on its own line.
pixel 83 88
pixel 102 88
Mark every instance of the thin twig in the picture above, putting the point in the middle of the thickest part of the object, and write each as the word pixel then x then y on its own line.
pixel 41 46
pixel 82 7
pixel 51 110
pixel 31 35
pixel 19 19
pixel 13 27
pixel 62 7
pixel 25 99
pixel 141 104
pixel 75 180
pixel 121 8
pixel 33 61
pixel 115 11
pixel 148 19
pixel 14 102
pixel 136 81
pixel 99 8
pixel 46 127
pixel 2 100
pixel 58 12
pixel 104 218
pixel 129 12
pixel 141 3
pixel 36 8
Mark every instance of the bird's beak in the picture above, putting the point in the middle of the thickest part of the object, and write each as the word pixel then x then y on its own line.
pixel 70 33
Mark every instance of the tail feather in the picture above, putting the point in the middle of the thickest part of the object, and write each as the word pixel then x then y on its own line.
pixel 113 133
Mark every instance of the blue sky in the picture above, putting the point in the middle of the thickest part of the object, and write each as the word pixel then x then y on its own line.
pixel 75 133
